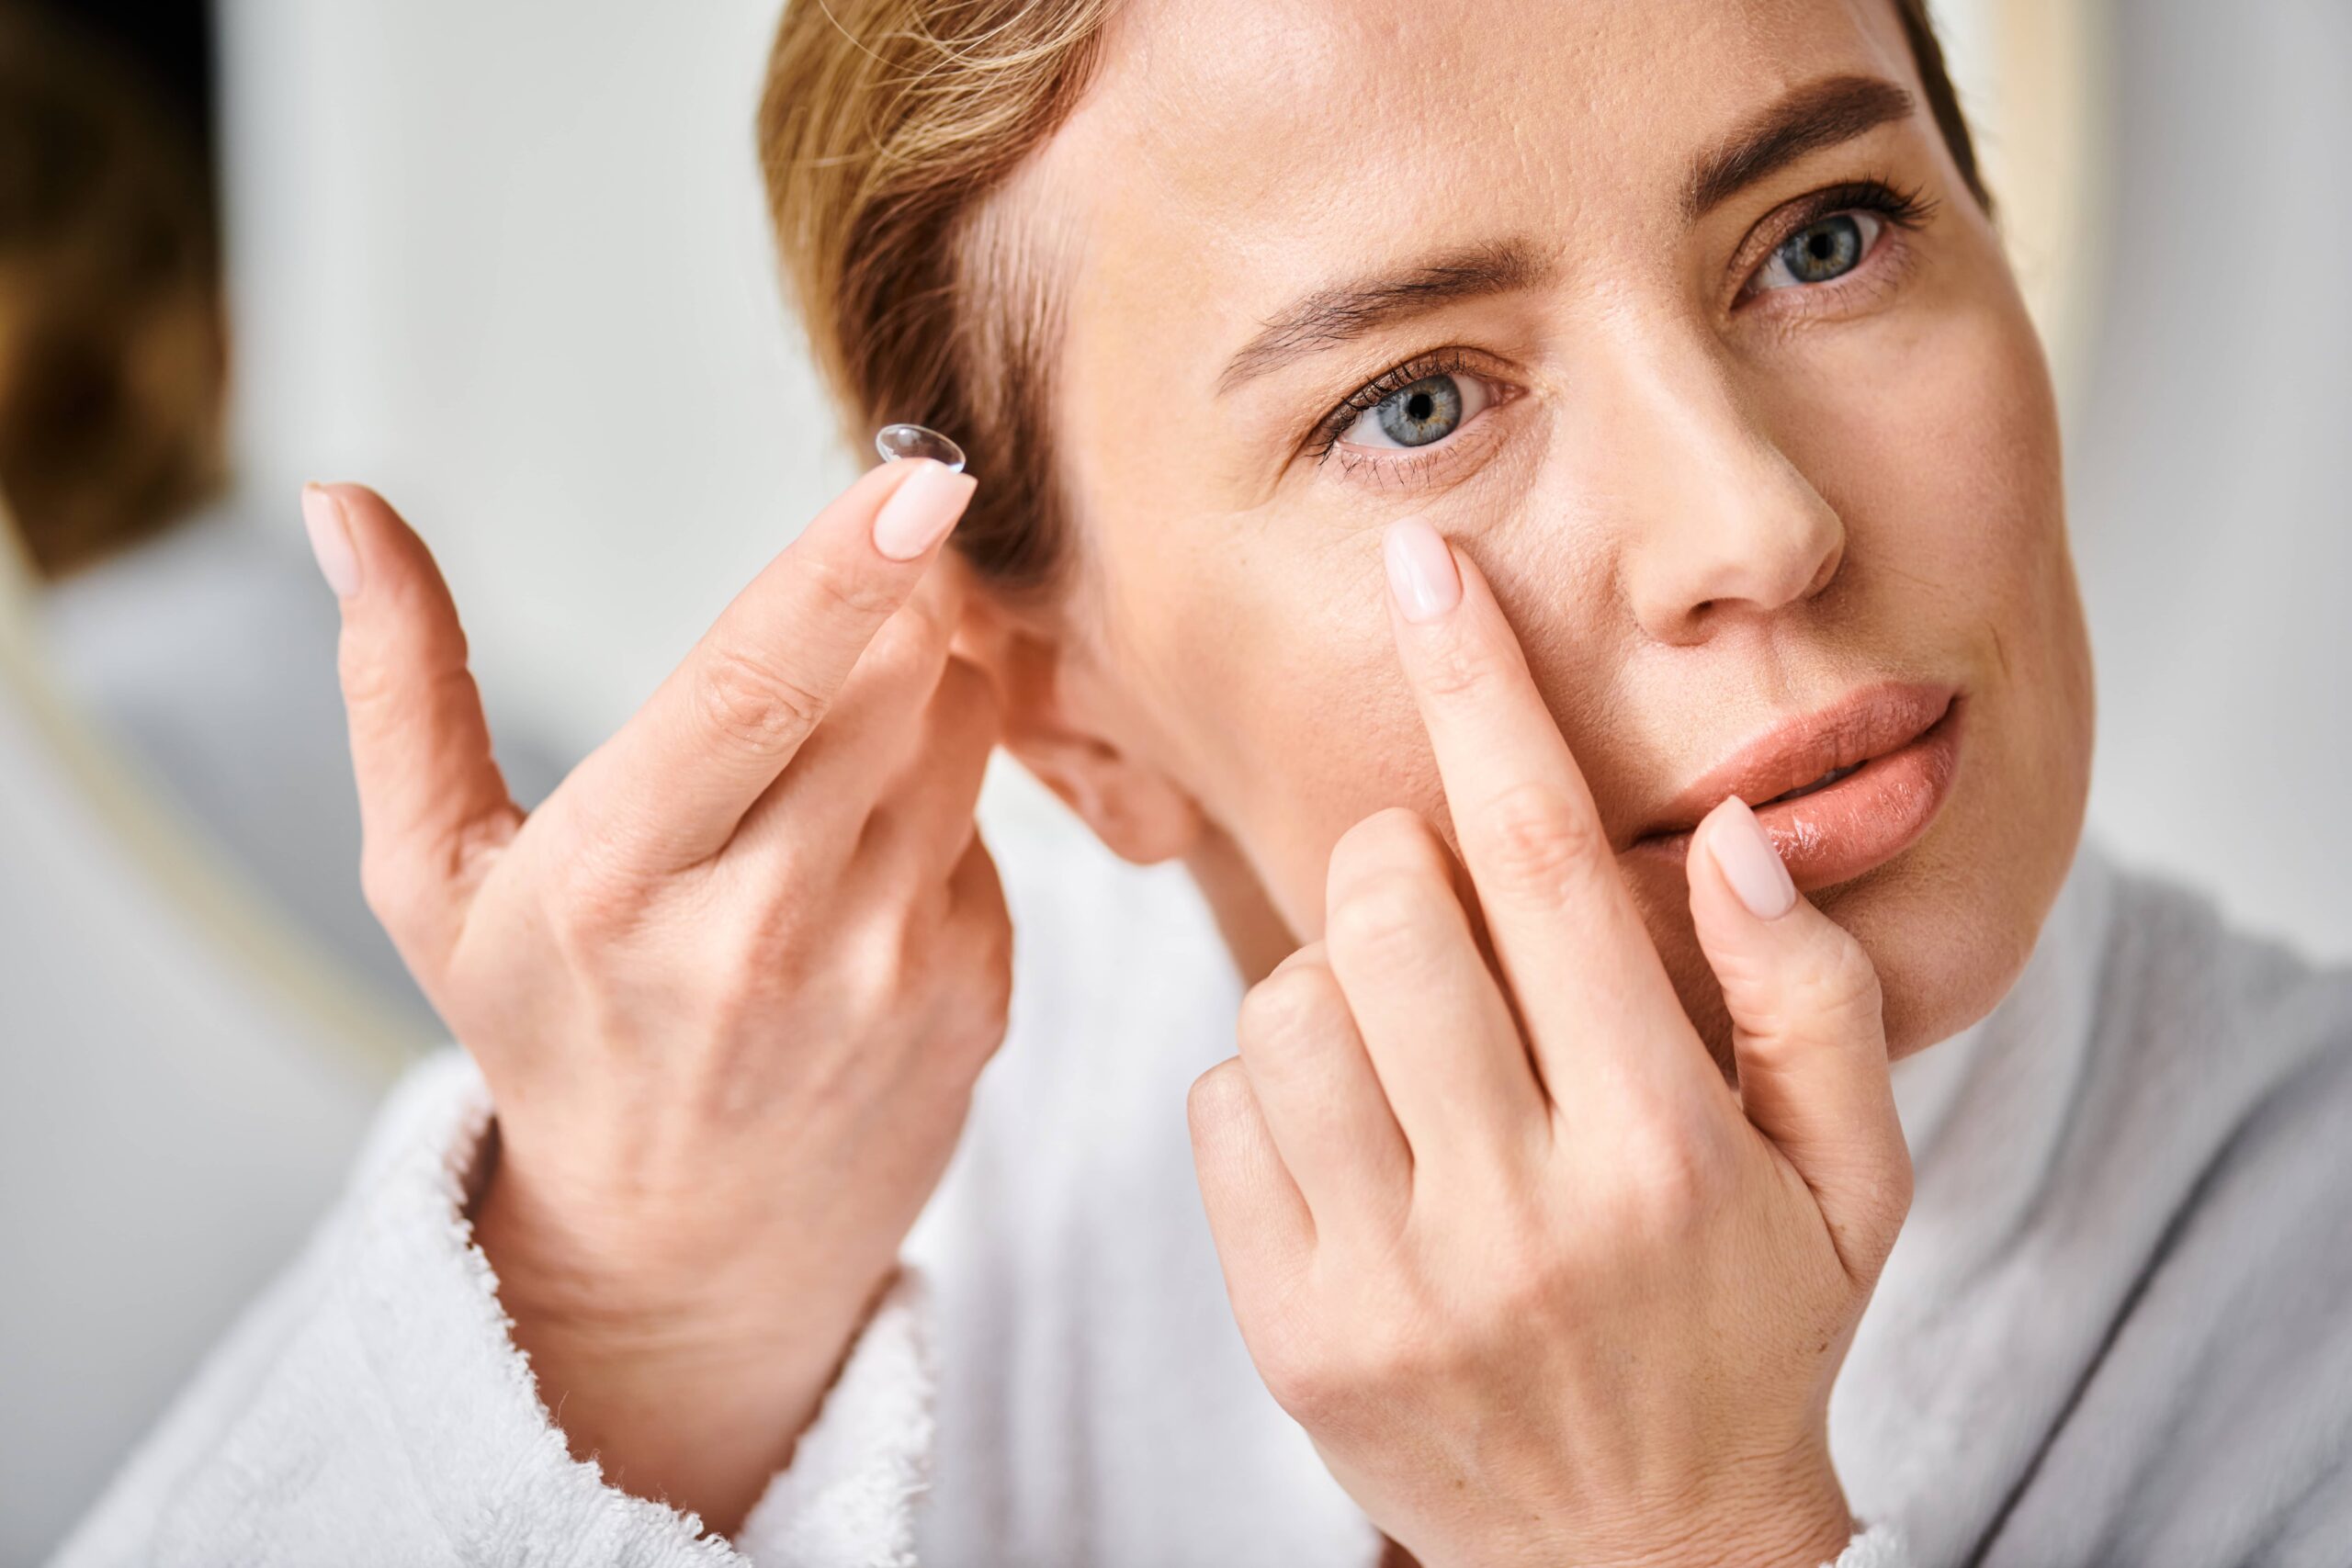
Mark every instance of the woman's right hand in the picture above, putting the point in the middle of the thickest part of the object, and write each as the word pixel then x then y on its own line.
pixel 729 986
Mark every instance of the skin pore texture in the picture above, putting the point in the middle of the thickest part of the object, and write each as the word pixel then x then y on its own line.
pixel 1706 505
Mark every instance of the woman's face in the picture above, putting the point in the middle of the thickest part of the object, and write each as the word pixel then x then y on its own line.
pixel 1676 317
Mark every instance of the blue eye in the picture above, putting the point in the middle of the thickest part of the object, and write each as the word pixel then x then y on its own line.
pixel 1425 412
pixel 1823 249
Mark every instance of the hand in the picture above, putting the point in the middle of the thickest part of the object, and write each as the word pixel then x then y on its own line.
pixel 729 986
pixel 1541 1286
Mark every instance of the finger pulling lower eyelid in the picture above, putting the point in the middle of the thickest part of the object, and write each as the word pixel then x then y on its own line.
pixel 1422 574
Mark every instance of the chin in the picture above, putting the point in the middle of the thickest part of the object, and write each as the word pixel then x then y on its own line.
pixel 1948 924
pixel 1947 949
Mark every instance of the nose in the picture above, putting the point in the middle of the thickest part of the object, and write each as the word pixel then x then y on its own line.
pixel 1722 529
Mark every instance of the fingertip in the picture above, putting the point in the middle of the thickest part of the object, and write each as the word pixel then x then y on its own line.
pixel 377 532
pixel 1744 857
pixel 1423 582
pixel 328 527
pixel 922 510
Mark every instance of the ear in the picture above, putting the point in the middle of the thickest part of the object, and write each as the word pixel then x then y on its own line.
pixel 1072 727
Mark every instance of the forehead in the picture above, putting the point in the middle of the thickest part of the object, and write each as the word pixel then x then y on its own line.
pixel 1231 150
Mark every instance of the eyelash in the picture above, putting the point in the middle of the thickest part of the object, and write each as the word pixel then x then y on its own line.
pixel 1908 209
pixel 1373 394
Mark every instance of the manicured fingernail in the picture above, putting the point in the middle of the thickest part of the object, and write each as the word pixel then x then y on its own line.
pixel 1751 864
pixel 330 532
pixel 921 511
pixel 1420 569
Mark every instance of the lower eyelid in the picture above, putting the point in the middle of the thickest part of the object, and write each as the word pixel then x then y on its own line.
pixel 1891 249
pixel 1488 390
pixel 1414 465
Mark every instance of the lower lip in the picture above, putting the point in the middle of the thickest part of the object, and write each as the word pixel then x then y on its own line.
pixel 1861 821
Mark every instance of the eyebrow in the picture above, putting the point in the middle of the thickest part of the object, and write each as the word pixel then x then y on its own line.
pixel 1817 115
pixel 1329 316
pixel 1820 114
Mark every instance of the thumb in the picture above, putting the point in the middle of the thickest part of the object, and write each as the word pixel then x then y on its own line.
pixel 1806 1033
pixel 431 796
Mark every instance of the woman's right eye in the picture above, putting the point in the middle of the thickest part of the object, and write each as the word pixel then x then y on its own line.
pixel 1419 414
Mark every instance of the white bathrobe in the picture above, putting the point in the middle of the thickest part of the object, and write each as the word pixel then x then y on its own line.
pixel 2114 1330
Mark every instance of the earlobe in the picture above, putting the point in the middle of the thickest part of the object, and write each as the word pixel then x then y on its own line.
pixel 1060 724
pixel 1137 814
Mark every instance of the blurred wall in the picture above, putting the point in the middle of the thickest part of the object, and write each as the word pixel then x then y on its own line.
pixel 176 1107
pixel 2211 458
pixel 510 263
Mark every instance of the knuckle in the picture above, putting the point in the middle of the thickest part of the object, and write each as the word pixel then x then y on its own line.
pixel 1215 1099
pixel 1843 981
pixel 1527 1281
pixel 1312 1394
pixel 1284 1009
pixel 1543 848
pixel 1406 1346
pixel 590 905
pixel 1296 1380
pixel 369 680
pixel 1668 1180
pixel 1319 1381
pixel 1460 666
pixel 1830 991
pixel 1400 1352
pixel 753 961
pixel 1390 836
pixel 1390 918
pixel 858 595
pixel 754 705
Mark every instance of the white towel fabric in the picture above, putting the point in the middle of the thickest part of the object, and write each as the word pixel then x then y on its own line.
pixel 2111 1332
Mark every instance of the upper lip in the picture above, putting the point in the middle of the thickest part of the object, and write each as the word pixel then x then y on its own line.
pixel 1867 722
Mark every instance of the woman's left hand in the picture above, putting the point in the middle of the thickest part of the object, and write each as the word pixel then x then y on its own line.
pixel 1542 1287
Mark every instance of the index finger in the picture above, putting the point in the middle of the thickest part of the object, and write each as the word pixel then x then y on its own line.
pixel 680 776
pixel 1564 928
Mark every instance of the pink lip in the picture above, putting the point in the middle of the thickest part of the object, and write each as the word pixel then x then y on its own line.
pixel 1904 736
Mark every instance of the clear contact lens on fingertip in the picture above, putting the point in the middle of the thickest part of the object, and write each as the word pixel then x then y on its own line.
pixel 898 441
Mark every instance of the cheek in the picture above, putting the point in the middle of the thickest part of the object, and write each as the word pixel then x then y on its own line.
pixel 1948 475
pixel 1274 683
pixel 1942 454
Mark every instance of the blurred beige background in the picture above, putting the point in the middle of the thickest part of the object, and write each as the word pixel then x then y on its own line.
pixel 510 265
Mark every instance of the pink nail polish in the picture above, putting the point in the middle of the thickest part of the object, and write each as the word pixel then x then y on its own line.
pixel 1421 573
pixel 921 512
pixel 331 545
pixel 1750 863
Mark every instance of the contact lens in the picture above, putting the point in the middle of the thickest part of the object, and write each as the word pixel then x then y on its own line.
pixel 897 441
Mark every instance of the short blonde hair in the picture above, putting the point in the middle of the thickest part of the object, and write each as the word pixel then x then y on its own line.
pixel 882 127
